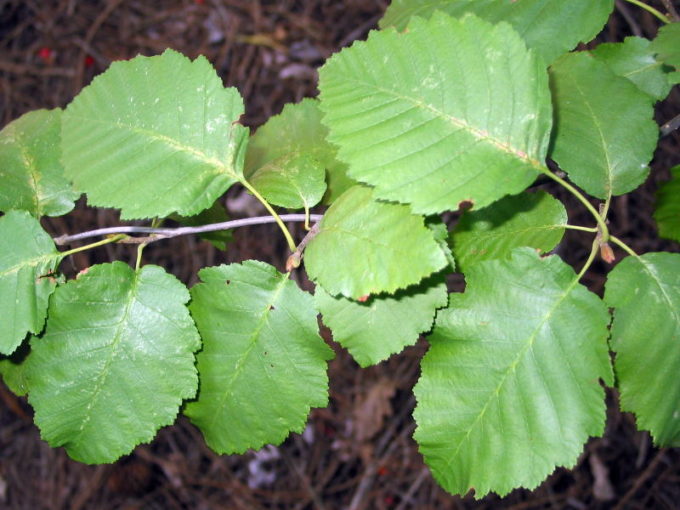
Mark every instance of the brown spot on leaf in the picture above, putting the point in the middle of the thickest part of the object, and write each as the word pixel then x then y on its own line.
pixel 465 205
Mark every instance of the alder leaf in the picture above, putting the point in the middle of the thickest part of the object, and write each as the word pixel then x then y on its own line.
pixel 441 236
pixel 605 134
pixel 294 181
pixel 667 212
pixel 296 135
pixel 634 60
pixel 510 386
pixel 31 175
pixel 13 371
pixel 382 325
pixel 530 219
pixel 155 135
pixel 263 363
pixel 368 247
pixel 666 45
pixel 645 294
pixel 27 259
pixel 550 27
pixel 469 122
pixel 115 361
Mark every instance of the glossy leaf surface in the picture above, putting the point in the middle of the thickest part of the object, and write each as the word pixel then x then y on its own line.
pixel 667 212
pixel 115 361
pixel 634 59
pixel 295 181
pixel 467 122
pixel 605 133
pixel 289 158
pixel 382 325
pixel 263 363
pixel 13 372
pixel 645 295
pixel 510 386
pixel 31 175
pixel 155 135
pixel 666 45
pixel 550 27
pixel 27 259
pixel 368 247
pixel 529 219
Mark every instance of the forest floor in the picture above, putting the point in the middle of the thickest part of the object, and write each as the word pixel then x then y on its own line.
pixel 358 453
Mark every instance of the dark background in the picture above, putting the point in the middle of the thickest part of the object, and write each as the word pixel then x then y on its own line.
pixel 358 452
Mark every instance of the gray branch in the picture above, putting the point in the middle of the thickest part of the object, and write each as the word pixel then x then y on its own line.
pixel 164 233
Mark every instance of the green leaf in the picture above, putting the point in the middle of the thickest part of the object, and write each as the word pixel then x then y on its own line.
pixel 115 361
pixel 155 135
pixel 368 247
pixel 31 175
pixel 215 214
pixel 667 212
pixel 510 386
pixel 667 48
pixel 13 371
pixel 550 27
pixel 263 364
pixel 645 294
pixel 529 219
pixel 634 59
pixel 294 181
pixel 467 122
pixel 605 134
pixel 382 325
pixel 441 236
pixel 27 259
pixel 295 138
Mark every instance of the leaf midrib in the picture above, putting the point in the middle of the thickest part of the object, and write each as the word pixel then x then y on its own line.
pixel 220 166
pixel 33 262
pixel 651 271
pixel 105 372
pixel 585 98
pixel 477 133
pixel 254 337
pixel 511 369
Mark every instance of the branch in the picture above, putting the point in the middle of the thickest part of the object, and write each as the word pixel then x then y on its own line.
pixel 156 234
pixel 295 259
pixel 670 126
pixel 673 13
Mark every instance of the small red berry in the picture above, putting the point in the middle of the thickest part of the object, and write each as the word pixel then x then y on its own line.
pixel 45 54
pixel 199 2
pixel 382 471
pixel 88 61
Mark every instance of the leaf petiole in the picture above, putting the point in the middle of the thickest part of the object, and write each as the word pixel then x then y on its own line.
pixel 618 242
pixel 578 227
pixel 108 240
pixel 650 10
pixel 602 225
pixel 591 258
pixel 279 221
